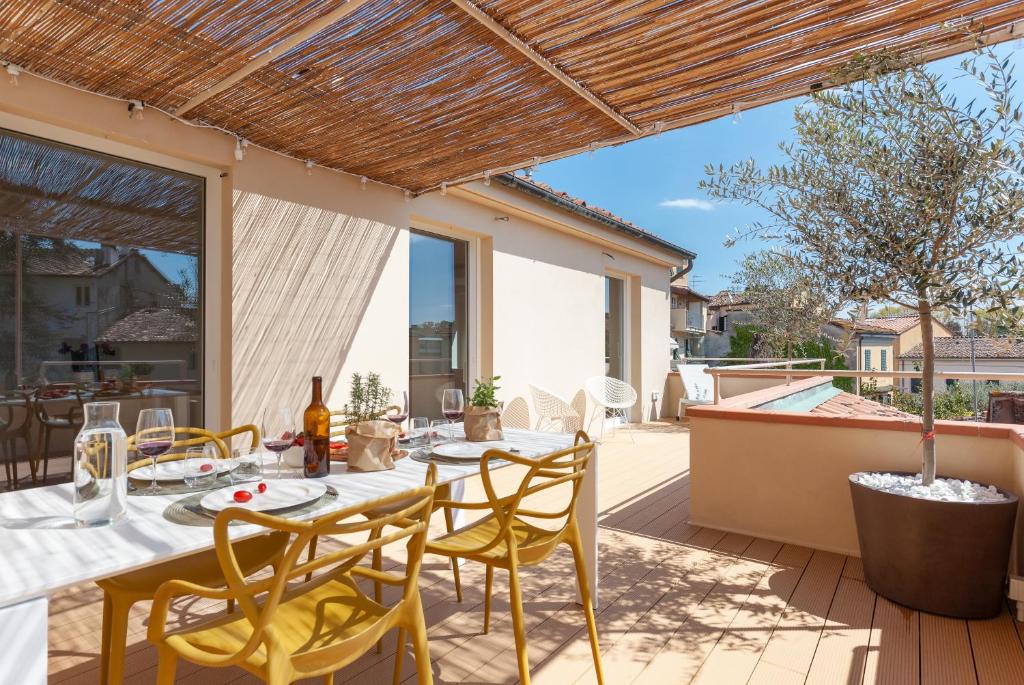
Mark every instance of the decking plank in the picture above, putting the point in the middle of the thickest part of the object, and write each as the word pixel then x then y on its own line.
pixel 842 649
pixel 735 655
pixel 795 638
pixel 946 657
pixel 998 656
pixel 894 649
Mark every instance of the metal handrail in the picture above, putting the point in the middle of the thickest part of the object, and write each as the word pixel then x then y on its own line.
pixel 752 372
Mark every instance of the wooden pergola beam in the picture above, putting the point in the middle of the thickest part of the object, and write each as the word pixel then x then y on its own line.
pixel 496 28
pixel 265 57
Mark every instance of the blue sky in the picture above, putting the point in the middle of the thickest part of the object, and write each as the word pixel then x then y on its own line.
pixel 653 182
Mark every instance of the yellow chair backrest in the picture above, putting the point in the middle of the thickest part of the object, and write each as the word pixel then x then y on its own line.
pixel 198 436
pixel 409 521
pixel 567 466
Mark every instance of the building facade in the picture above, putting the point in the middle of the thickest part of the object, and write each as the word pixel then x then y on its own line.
pixel 311 272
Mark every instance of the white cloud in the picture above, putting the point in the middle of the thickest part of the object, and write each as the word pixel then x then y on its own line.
pixel 688 203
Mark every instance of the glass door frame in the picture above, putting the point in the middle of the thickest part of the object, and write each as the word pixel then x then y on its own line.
pixel 472 240
pixel 215 257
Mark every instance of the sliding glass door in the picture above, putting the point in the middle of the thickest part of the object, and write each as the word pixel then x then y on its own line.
pixel 100 292
pixel 438 320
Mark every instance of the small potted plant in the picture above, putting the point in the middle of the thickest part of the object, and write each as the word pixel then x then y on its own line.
pixel 371 441
pixel 483 417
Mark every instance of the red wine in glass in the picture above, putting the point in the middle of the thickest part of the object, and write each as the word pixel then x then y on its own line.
pixel 452 406
pixel 153 448
pixel 277 445
pixel 278 430
pixel 402 412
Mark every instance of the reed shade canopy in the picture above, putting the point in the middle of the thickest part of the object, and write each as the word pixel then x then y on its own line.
pixel 416 93
pixel 55 191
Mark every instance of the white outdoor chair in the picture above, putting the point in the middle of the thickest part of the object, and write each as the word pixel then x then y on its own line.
pixel 552 409
pixel 516 414
pixel 698 387
pixel 611 397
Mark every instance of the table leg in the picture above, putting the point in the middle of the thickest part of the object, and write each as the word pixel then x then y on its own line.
pixel 586 515
pixel 23 636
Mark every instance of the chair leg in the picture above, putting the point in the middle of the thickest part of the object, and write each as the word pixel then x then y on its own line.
pixel 449 522
pixel 166 666
pixel 117 637
pixel 424 673
pixel 399 656
pixel 328 679
pixel 518 620
pixel 377 564
pixel 6 454
pixel 487 598
pixel 310 557
pixel 46 455
pixel 378 589
pixel 588 605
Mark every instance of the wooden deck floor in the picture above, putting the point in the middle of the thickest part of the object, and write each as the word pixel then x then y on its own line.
pixel 678 604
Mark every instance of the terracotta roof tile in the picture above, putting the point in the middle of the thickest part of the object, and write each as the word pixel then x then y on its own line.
pixel 153 324
pixel 848 404
pixel 896 324
pixel 726 298
pixel 960 348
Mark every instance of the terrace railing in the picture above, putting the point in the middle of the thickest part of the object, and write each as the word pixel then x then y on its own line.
pixel 764 371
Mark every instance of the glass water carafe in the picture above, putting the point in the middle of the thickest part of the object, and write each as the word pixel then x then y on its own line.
pixel 101 467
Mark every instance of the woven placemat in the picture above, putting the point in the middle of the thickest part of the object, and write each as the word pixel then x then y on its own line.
pixel 188 512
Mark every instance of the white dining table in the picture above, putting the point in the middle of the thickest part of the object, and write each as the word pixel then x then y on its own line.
pixel 41 551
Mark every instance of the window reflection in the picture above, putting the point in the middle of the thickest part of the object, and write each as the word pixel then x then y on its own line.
pixel 100 294
pixel 438 312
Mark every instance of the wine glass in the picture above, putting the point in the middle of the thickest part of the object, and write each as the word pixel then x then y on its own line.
pixel 403 411
pixel 278 431
pixel 452 406
pixel 154 436
pixel 200 469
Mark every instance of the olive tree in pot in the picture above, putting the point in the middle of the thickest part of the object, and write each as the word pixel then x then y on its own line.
pixel 896 190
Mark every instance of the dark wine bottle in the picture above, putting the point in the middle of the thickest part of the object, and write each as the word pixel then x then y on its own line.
pixel 316 427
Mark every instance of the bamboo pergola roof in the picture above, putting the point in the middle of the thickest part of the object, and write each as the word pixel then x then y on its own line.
pixel 419 93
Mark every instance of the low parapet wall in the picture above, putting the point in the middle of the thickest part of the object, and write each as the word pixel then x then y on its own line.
pixel 783 475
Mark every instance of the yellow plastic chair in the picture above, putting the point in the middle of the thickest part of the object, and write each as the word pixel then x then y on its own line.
pixel 121 592
pixel 283 633
pixel 505 538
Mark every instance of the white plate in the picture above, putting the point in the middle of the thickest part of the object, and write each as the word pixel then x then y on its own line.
pixel 469 451
pixel 175 470
pixel 280 494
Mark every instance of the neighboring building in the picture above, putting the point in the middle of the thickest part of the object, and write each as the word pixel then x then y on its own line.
pixel 725 311
pixel 995 355
pixel 875 343
pixel 155 334
pixel 688 317
pixel 72 294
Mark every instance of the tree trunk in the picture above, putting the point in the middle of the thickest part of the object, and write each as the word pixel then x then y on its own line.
pixel 927 393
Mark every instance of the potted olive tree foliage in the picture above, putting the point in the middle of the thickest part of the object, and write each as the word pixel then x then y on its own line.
pixel 897 190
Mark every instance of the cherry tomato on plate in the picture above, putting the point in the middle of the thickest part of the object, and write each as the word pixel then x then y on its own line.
pixel 242 495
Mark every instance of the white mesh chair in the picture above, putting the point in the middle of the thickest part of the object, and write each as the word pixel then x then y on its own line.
pixel 611 397
pixel 553 411
pixel 516 414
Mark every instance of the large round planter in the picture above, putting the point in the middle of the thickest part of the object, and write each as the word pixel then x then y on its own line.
pixel 948 558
